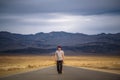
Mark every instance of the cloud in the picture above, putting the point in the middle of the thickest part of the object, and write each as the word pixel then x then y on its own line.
pixel 62 22
pixel 84 7
pixel 85 16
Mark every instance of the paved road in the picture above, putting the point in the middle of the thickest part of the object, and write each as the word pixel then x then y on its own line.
pixel 70 73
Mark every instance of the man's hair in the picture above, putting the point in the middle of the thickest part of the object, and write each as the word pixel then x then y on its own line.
pixel 59 47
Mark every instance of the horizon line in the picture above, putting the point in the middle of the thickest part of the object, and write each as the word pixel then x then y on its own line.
pixel 59 31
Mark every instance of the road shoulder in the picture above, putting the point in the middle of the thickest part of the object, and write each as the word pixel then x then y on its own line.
pixel 100 70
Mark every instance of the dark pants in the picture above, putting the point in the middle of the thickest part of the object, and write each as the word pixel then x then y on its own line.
pixel 59 66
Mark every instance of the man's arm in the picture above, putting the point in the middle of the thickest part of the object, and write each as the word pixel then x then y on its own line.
pixel 55 57
pixel 63 56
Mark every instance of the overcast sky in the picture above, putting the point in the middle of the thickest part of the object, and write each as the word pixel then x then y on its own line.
pixel 83 16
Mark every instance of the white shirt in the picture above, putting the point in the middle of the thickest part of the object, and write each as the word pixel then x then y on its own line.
pixel 59 54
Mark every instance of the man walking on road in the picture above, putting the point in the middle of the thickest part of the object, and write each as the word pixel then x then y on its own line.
pixel 59 58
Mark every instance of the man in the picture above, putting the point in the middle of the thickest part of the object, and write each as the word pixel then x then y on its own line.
pixel 59 58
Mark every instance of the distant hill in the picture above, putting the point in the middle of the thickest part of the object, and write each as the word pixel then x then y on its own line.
pixel 71 42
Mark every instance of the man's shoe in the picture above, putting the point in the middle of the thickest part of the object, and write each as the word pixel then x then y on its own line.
pixel 59 72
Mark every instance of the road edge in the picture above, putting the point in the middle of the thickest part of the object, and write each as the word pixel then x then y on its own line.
pixel 100 70
pixel 27 71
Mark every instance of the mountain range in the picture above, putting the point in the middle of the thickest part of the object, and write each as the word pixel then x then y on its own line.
pixel 72 43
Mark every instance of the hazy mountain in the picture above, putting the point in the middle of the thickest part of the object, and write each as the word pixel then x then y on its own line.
pixel 71 42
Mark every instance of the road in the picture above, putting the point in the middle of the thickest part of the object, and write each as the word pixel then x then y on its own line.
pixel 70 73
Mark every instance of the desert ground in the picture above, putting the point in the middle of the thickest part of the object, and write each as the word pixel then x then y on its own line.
pixel 101 63
pixel 16 64
pixel 22 63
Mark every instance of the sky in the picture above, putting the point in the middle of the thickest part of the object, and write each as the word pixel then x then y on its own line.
pixel 75 16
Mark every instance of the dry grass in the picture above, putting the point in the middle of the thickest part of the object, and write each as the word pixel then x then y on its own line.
pixel 15 64
pixel 96 62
